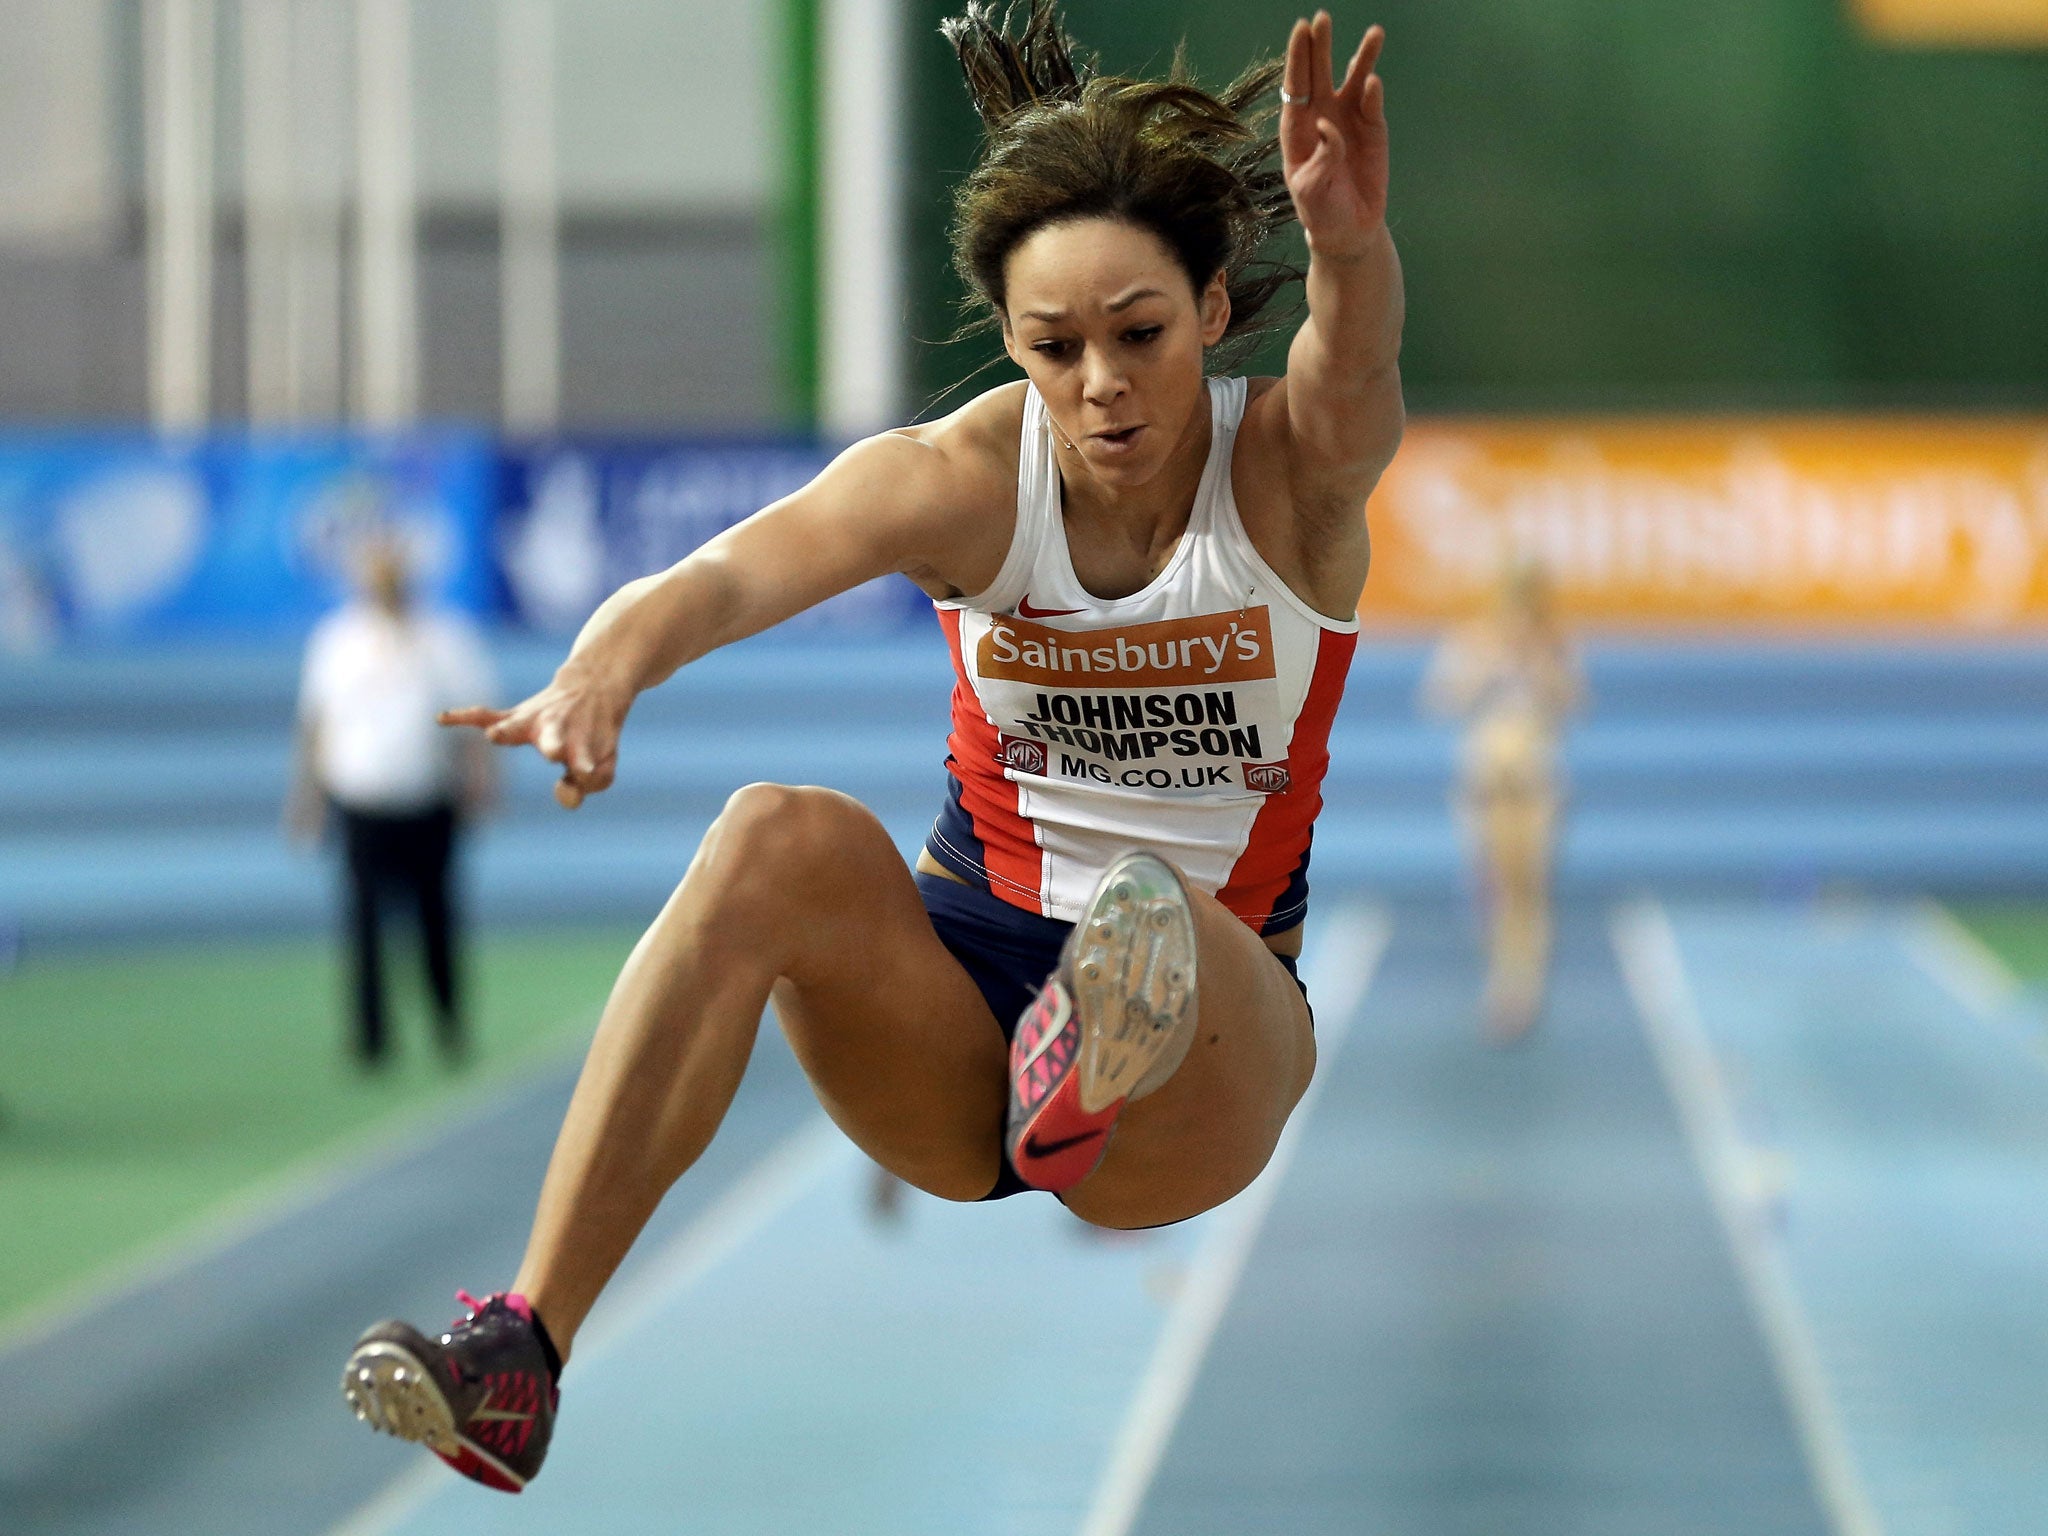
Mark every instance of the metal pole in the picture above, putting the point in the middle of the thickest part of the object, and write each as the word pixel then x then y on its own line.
pixel 529 260
pixel 323 153
pixel 178 90
pixel 861 283
pixel 387 283
pixel 267 219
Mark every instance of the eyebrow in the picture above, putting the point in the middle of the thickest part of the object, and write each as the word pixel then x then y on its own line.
pixel 1117 306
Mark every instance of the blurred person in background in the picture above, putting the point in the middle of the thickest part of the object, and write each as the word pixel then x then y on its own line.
pixel 372 757
pixel 1117 545
pixel 1512 676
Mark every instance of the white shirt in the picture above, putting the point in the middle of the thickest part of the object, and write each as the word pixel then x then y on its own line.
pixel 1191 717
pixel 371 688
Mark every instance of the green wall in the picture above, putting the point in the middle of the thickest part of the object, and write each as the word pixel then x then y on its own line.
pixel 1640 204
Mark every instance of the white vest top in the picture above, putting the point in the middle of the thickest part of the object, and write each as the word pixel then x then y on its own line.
pixel 1191 718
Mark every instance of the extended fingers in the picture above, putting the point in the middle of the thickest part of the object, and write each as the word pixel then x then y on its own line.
pixel 1363 62
pixel 1372 101
pixel 1307 76
pixel 473 714
pixel 1308 80
pixel 1297 80
pixel 1298 91
pixel 586 751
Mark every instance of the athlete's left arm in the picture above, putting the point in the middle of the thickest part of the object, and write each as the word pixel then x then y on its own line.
pixel 1341 397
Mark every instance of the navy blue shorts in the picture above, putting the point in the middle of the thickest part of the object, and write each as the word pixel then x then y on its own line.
pixel 1008 953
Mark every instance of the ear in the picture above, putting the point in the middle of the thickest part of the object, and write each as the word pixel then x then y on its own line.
pixel 1215 311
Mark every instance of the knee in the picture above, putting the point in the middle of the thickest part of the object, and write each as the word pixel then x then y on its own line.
pixel 783 821
pixel 775 845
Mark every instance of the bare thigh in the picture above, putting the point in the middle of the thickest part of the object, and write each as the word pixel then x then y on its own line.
pixel 1515 830
pixel 1206 1134
pixel 906 1058
pixel 899 1046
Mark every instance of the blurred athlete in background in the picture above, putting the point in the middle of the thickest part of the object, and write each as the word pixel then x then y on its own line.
pixel 1512 676
pixel 1149 582
pixel 378 672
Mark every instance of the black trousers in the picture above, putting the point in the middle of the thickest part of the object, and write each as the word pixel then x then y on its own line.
pixel 405 859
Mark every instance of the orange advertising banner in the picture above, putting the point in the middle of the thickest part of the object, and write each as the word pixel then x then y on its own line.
pixel 1956 23
pixel 1823 523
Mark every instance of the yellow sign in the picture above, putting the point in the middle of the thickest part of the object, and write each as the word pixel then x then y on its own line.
pixel 1956 23
pixel 1861 522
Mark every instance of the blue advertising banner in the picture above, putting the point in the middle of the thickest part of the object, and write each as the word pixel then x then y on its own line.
pixel 112 536
pixel 579 519
pixel 126 536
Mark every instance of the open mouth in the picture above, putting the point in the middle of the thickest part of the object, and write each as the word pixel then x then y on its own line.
pixel 1122 437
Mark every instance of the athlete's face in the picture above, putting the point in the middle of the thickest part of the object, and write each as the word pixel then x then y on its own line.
pixel 1104 321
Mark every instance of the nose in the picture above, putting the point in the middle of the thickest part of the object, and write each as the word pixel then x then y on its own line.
pixel 1102 381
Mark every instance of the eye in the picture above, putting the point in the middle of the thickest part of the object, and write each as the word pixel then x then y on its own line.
pixel 1143 333
pixel 1050 348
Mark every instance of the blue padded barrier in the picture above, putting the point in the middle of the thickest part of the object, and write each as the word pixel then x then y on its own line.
pixel 139 792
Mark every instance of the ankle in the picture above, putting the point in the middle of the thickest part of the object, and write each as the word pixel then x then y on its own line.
pixel 549 1352
pixel 535 1306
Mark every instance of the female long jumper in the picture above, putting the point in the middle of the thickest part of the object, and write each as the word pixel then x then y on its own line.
pixel 1149 581
pixel 1512 675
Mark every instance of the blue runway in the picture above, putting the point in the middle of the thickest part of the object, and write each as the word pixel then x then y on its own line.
pixel 956 1368
pixel 1885 1152
pixel 1780 1276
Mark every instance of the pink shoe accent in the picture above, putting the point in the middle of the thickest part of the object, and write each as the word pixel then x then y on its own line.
pixel 513 1301
pixel 1054 1142
pixel 471 1465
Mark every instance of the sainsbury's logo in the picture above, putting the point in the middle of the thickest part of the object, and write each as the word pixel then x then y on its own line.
pixel 1209 648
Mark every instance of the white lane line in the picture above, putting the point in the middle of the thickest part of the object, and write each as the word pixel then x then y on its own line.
pixel 357 1156
pixel 1959 962
pixel 1346 957
pixel 1975 975
pixel 1654 973
pixel 789 1171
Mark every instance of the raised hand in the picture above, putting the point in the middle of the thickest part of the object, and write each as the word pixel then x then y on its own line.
pixel 1333 140
pixel 572 722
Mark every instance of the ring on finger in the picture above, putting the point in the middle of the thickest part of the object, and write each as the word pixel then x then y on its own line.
pixel 1293 101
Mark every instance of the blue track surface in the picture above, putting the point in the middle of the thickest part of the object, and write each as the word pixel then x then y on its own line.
pixel 1490 1294
pixel 1907 1143
pixel 1495 1292
pixel 1492 1298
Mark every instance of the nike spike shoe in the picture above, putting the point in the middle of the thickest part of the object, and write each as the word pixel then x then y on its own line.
pixel 1111 1024
pixel 481 1397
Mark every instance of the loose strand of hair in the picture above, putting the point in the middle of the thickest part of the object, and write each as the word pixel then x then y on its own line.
pixel 1005 75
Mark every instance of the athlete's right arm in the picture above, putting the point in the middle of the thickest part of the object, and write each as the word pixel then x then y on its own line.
pixel 888 504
